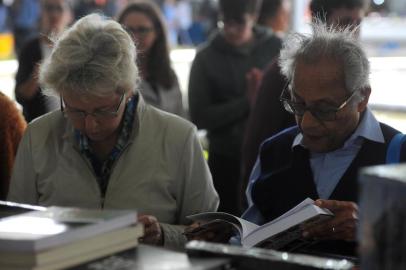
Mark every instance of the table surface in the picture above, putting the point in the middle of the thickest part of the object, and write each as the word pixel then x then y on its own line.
pixel 146 257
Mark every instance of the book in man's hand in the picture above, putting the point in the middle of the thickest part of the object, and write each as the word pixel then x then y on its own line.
pixel 284 232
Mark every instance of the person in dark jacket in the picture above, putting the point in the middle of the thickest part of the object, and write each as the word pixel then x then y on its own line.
pixel 218 98
pixel 268 116
pixel 55 16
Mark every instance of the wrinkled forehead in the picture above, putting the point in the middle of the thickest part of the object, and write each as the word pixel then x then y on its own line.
pixel 346 16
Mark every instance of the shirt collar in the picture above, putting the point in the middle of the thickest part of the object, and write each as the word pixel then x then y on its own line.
pixel 368 128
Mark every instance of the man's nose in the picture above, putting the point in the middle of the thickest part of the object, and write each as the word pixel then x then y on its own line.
pixel 308 120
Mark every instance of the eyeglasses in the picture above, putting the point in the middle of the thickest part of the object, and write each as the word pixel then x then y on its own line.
pixel 98 115
pixel 141 30
pixel 322 114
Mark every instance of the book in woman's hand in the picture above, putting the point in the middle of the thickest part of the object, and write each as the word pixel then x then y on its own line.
pixel 283 232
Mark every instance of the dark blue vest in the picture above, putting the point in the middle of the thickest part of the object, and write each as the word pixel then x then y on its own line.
pixel 286 178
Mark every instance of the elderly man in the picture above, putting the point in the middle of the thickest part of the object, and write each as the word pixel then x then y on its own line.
pixel 267 115
pixel 336 134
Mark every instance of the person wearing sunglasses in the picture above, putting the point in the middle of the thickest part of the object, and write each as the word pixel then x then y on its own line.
pixel 107 148
pixel 159 86
pixel 55 17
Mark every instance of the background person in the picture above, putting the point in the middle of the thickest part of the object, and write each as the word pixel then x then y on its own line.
pixel 159 86
pixel 55 16
pixel 218 98
pixel 107 148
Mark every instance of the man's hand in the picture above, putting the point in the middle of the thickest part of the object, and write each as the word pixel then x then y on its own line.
pixel 29 88
pixel 254 78
pixel 152 230
pixel 214 231
pixel 341 227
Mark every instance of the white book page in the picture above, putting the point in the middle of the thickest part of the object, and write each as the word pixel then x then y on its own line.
pixel 294 210
pixel 270 229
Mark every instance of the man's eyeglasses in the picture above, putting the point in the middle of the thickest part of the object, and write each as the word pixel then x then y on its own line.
pixel 141 30
pixel 322 114
pixel 98 115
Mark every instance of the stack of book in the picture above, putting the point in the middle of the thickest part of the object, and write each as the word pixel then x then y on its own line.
pixel 383 217
pixel 59 237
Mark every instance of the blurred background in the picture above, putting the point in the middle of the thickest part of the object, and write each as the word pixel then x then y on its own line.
pixel 190 23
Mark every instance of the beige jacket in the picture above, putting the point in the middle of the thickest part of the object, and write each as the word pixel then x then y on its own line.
pixel 161 172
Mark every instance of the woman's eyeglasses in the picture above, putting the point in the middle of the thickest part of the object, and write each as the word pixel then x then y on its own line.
pixel 139 31
pixel 98 115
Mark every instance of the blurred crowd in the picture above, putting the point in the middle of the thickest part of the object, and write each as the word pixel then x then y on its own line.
pixel 188 22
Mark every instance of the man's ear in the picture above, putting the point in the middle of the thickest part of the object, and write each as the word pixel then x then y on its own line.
pixel 365 93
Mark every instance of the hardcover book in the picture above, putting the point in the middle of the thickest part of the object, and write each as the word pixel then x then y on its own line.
pixel 74 253
pixel 37 230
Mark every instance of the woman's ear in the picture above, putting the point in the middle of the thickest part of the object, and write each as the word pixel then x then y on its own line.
pixel 365 93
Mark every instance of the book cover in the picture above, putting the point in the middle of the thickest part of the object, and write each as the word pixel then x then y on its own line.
pixel 34 231
pixel 282 232
pixel 74 253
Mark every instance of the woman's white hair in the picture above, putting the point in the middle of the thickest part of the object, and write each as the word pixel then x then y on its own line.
pixel 328 42
pixel 94 57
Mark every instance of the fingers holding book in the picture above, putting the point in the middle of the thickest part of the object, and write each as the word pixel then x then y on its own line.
pixel 152 230
pixel 341 227
pixel 212 231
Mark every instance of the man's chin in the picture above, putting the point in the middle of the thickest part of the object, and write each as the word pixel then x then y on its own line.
pixel 316 145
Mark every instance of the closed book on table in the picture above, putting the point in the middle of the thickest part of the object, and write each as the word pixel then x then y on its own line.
pixel 74 253
pixel 38 230
pixel 58 237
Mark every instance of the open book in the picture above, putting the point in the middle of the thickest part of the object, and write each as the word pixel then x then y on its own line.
pixel 282 232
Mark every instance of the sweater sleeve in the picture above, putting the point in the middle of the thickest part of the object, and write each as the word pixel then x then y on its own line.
pixel 196 192
pixel 23 181
pixel 204 112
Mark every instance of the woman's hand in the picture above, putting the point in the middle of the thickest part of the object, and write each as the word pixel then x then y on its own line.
pixel 152 231
pixel 341 227
pixel 214 231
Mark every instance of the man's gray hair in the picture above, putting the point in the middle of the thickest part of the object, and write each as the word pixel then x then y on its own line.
pixel 327 42
pixel 95 57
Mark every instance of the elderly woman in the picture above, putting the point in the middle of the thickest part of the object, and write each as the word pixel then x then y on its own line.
pixel 106 148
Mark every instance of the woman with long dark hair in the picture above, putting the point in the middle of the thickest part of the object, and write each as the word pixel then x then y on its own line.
pixel 159 86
